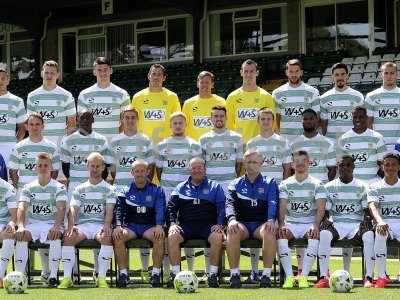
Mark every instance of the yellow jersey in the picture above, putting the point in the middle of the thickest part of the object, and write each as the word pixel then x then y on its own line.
pixel 154 111
pixel 198 114
pixel 242 108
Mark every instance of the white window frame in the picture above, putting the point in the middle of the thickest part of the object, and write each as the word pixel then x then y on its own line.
pixel 239 20
pixel 75 30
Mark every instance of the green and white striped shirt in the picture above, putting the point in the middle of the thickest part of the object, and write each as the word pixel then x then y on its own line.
pixel 290 104
pixel 7 201
pixel 12 112
pixel 366 148
pixel 172 156
pixel 125 150
pixel 384 106
pixel 23 158
pixel 54 106
pixel 347 201
pixel 42 200
pixel 276 152
pixel 92 201
pixel 221 151
pixel 75 149
pixel 336 107
pixel 105 105
pixel 387 197
pixel 321 152
pixel 301 198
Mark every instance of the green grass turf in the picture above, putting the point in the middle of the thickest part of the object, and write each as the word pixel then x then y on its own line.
pixel 86 292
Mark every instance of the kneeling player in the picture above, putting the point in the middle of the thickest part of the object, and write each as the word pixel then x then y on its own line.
pixel 44 199
pixel 251 208
pixel 301 209
pixel 196 210
pixel 8 220
pixel 140 212
pixel 347 199
pixel 383 202
pixel 90 217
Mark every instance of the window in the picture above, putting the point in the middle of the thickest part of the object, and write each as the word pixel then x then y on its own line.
pixel 248 31
pixel 121 44
pixel 180 43
pixel 89 50
pixel 340 26
pixel 151 46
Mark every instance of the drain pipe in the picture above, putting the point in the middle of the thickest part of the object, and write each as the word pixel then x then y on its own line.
pixel 46 20
pixel 203 19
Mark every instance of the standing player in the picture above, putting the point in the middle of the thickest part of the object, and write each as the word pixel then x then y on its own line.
pixel 242 104
pixel 347 199
pixel 155 105
pixel 55 104
pixel 196 210
pixel 8 222
pixel 292 99
pixel 41 212
pixel 172 159
pixel 320 149
pixel 90 217
pixel 104 100
pixel 365 145
pixel 337 104
pixel 75 149
pixel 140 213
pixel 12 117
pixel 223 153
pixel 383 106
pixel 198 108
pixel 251 210
pixel 383 202
pixel 274 147
pixel 301 209
pixel 128 146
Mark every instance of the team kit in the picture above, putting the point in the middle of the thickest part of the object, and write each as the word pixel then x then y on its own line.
pixel 273 167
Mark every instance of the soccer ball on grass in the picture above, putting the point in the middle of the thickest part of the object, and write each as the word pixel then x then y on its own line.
pixel 341 281
pixel 186 282
pixel 15 283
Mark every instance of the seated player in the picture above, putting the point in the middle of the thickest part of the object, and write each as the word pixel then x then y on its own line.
pixel 41 212
pixel 347 205
pixel 140 213
pixel 196 210
pixel 383 202
pixel 8 221
pixel 301 209
pixel 251 208
pixel 90 217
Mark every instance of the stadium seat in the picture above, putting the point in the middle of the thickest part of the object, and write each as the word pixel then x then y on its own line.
pixel 326 80
pixel 314 81
pixel 360 60
pixel 348 60
pixel 354 79
pixel 357 69
pixel 371 67
pixel 327 71
pixel 388 57
pixel 368 78
pixel 374 59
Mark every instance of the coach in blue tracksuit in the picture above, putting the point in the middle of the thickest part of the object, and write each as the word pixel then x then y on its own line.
pixel 140 213
pixel 251 211
pixel 196 210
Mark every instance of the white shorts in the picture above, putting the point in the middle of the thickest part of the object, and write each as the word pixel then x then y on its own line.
pixel 394 230
pixel 298 230
pixel 39 231
pixel 6 150
pixel 346 230
pixel 90 230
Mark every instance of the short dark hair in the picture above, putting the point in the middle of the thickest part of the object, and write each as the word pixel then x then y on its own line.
pixel 50 63
pixel 360 108
pixel 102 60
pixel 392 155
pixel 158 66
pixel 294 62
pixel 249 62
pixel 219 107
pixel 35 115
pixel 3 69
pixel 347 156
pixel 309 111
pixel 300 153
pixel 340 66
